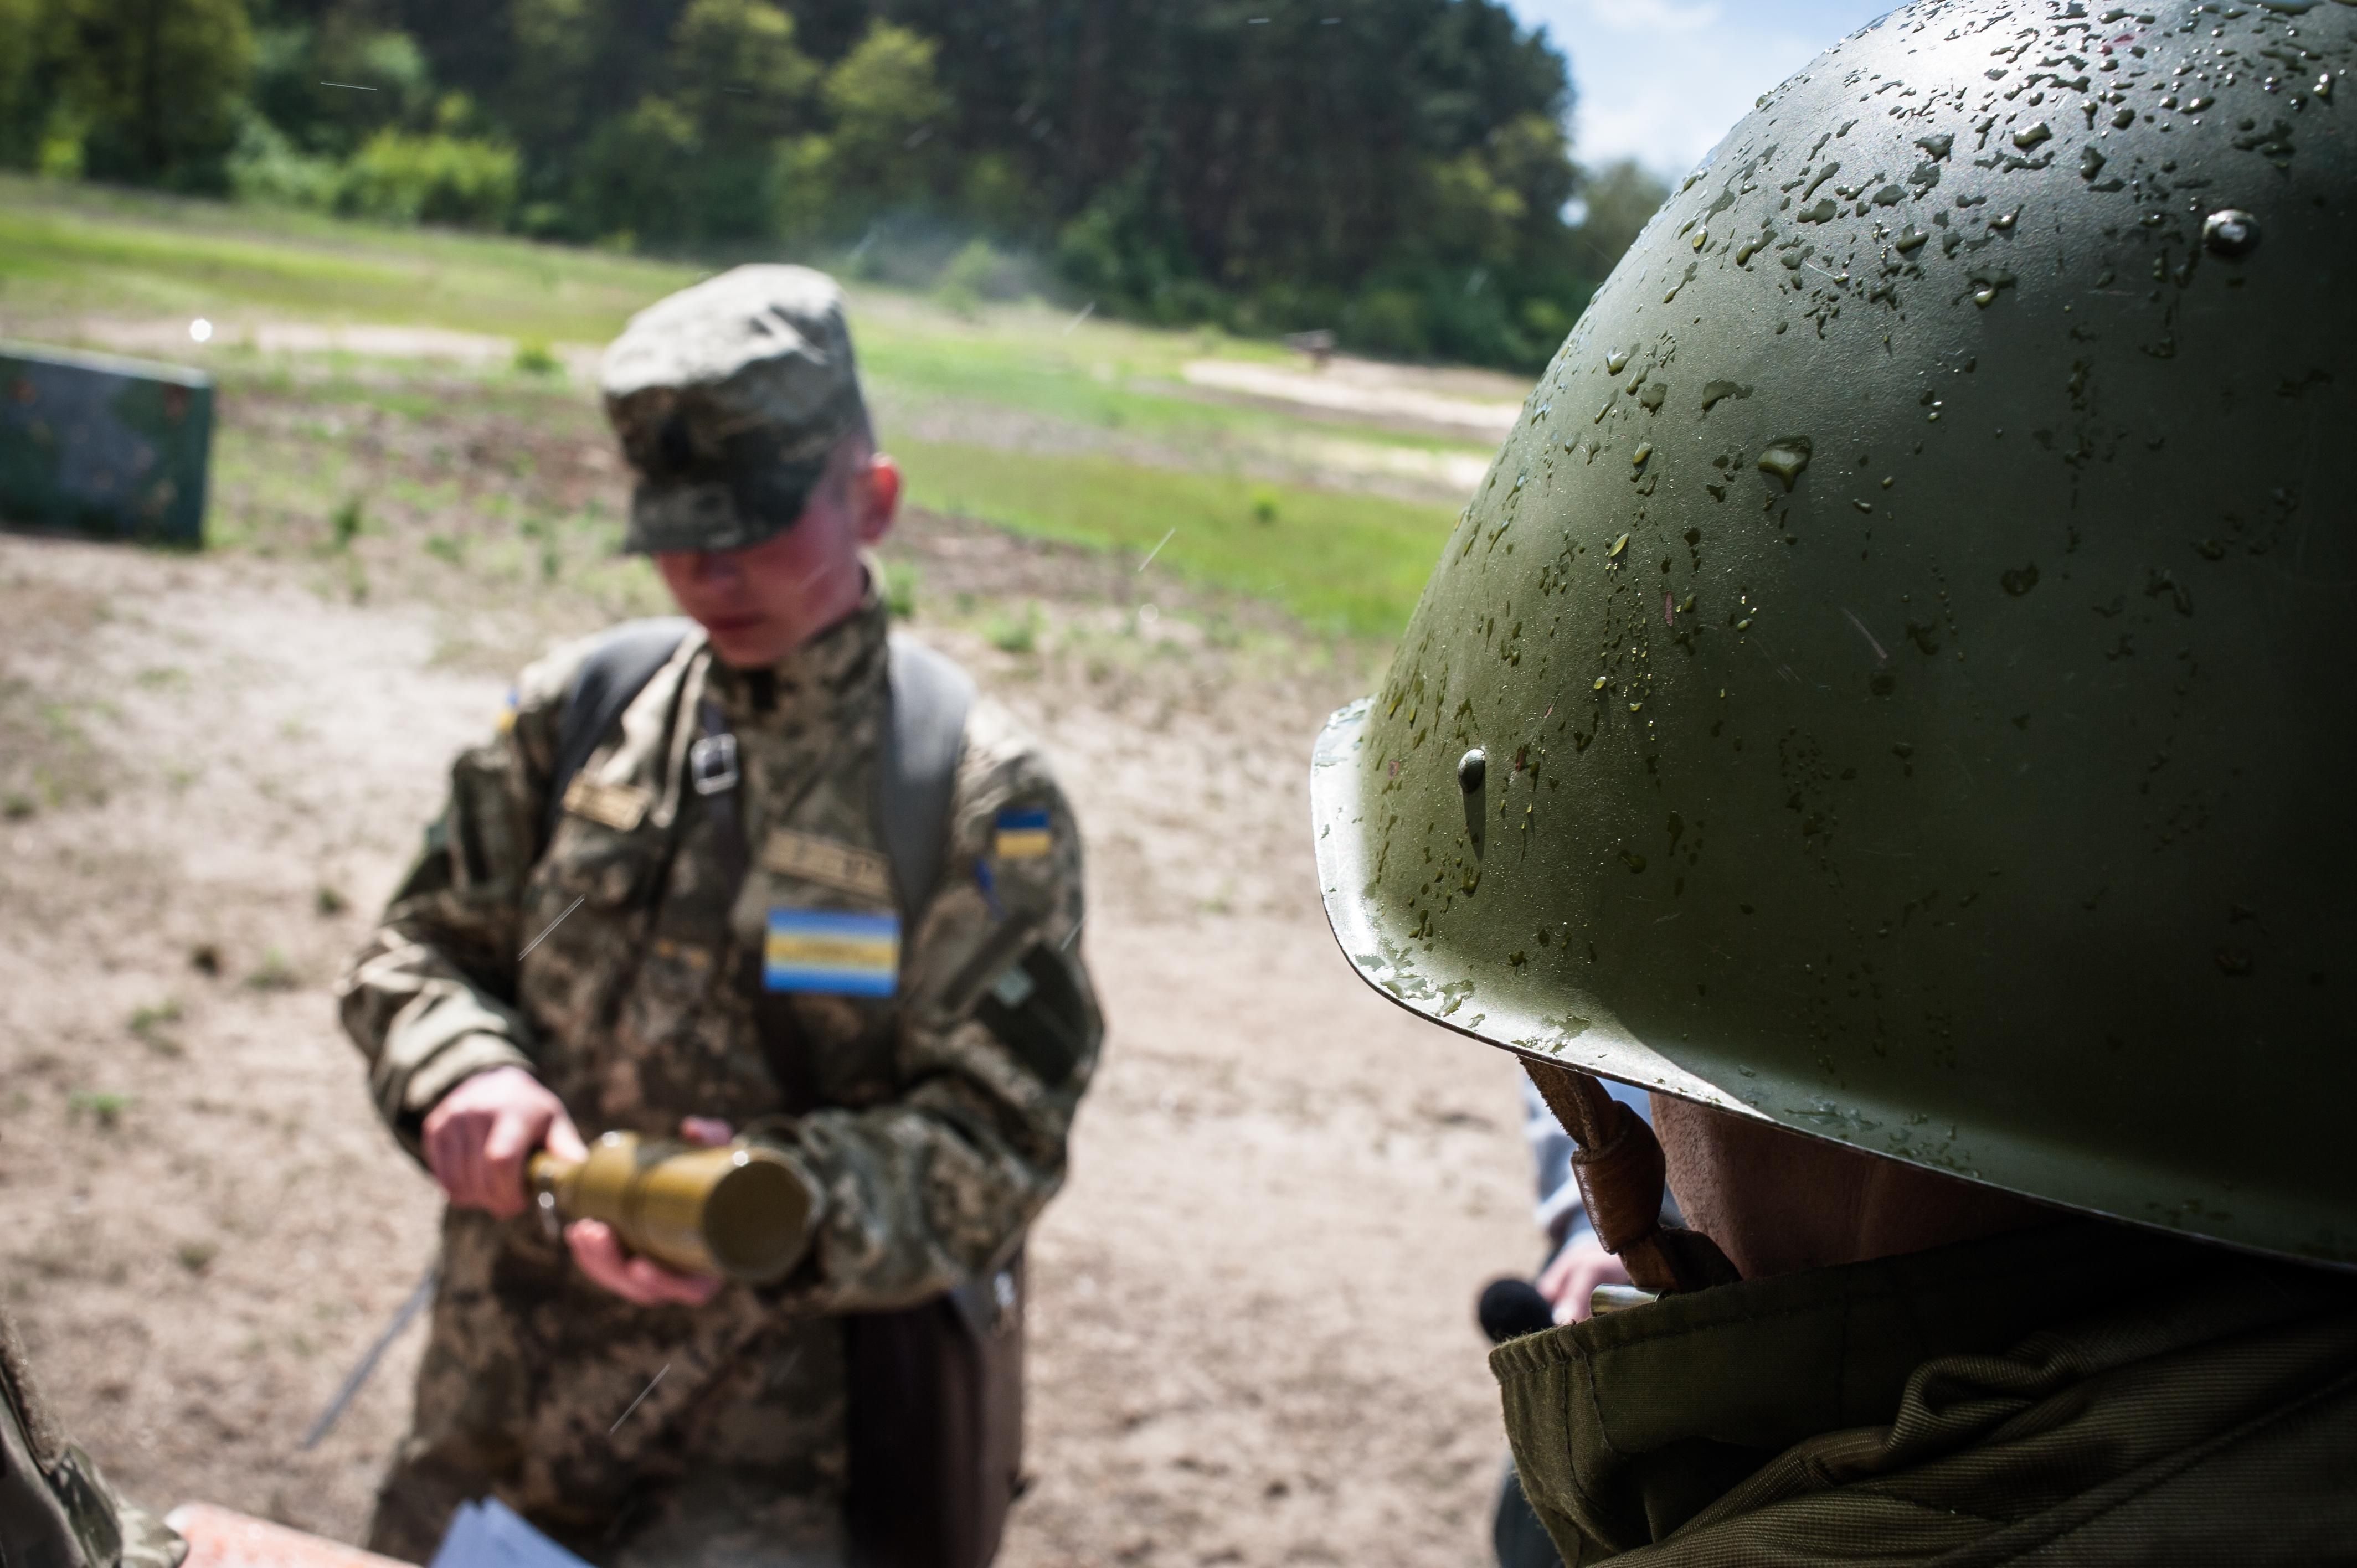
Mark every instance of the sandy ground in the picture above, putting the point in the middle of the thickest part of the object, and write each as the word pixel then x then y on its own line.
pixel 1251 1331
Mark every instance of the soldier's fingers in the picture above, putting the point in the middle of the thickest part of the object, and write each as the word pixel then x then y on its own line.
pixel 658 1285
pixel 510 1129
pixel 501 1163
pixel 706 1132
pixel 434 1138
pixel 563 1139
pixel 599 1256
pixel 1603 1269
pixel 461 1150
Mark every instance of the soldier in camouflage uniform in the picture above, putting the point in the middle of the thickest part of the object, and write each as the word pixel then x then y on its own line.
pixel 546 972
pixel 56 1509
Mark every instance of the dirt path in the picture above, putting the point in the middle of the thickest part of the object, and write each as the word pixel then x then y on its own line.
pixel 1251 1329
pixel 1367 389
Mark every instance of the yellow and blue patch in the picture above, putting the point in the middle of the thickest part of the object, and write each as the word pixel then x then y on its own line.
pixel 1021 834
pixel 832 951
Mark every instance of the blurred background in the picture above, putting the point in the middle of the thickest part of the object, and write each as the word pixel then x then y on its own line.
pixel 1422 178
pixel 1193 326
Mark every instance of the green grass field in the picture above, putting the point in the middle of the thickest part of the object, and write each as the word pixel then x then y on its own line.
pixel 1079 431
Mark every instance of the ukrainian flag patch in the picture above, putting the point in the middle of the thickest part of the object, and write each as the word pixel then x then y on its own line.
pixel 1021 834
pixel 832 951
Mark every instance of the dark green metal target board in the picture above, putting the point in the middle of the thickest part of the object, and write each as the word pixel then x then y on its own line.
pixel 107 447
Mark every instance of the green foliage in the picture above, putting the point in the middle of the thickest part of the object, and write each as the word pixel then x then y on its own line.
pixel 901 580
pixel 887 108
pixel 347 522
pixel 694 161
pixel 151 1025
pixel 1621 199
pixel 1340 562
pixel 532 358
pixel 740 77
pixel 1012 633
pixel 103 1106
pixel 266 166
pixel 979 272
pixel 141 90
pixel 22 101
pixel 402 177
pixel 1399 176
pixel 274 973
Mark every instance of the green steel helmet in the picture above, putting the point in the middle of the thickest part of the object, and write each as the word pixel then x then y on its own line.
pixel 1896 679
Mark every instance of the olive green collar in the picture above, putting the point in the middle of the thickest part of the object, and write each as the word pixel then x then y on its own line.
pixel 1625 1427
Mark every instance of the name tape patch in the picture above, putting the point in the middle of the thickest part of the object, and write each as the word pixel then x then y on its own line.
pixel 621 806
pixel 1021 834
pixel 842 867
pixel 832 951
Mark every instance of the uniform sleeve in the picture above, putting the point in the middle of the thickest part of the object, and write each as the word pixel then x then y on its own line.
pixel 429 999
pixel 997 1040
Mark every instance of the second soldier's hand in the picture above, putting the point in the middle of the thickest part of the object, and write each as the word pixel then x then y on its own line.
pixel 1573 1277
pixel 599 1254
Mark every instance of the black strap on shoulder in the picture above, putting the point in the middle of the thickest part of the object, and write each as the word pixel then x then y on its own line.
pixel 918 773
pixel 616 671
pixel 930 699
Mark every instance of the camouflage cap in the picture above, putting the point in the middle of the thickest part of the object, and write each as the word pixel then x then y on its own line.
pixel 729 398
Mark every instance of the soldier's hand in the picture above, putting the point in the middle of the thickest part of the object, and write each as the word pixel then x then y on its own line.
pixel 1574 1275
pixel 482 1132
pixel 599 1253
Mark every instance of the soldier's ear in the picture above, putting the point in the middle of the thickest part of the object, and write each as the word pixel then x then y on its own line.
pixel 878 492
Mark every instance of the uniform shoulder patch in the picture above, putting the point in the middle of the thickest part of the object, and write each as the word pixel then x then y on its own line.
pixel 827 862
pixel 621 806
pixel 1021 833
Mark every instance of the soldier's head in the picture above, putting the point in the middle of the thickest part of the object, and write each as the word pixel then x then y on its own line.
pixel 1890 686
pixel 759 480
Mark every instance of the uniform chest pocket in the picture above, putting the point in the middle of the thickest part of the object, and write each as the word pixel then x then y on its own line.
pixel 605 864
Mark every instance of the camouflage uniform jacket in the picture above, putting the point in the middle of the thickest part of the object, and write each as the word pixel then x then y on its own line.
pixel 933 1123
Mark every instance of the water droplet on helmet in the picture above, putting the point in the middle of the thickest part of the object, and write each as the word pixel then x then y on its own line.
pixel 1785 458
pixel 2232 232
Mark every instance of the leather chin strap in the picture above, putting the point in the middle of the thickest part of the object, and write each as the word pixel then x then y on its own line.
pixel 1622 1179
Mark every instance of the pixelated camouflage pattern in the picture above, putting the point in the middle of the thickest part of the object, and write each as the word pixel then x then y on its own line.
pixel 934 1140
pixel 727 398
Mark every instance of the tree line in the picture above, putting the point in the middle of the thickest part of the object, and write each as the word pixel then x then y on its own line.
pixel 1397 171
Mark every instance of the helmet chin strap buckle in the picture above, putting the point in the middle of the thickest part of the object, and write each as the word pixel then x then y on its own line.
pixel 1622 1178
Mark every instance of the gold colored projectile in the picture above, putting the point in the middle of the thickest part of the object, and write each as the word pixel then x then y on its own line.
pixel 739 1211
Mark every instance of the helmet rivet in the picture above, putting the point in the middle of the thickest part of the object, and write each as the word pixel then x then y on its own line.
pixel 2232 232
pixel 1470 769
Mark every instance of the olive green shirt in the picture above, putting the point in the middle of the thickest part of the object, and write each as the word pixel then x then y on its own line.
pixel 2078 1393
